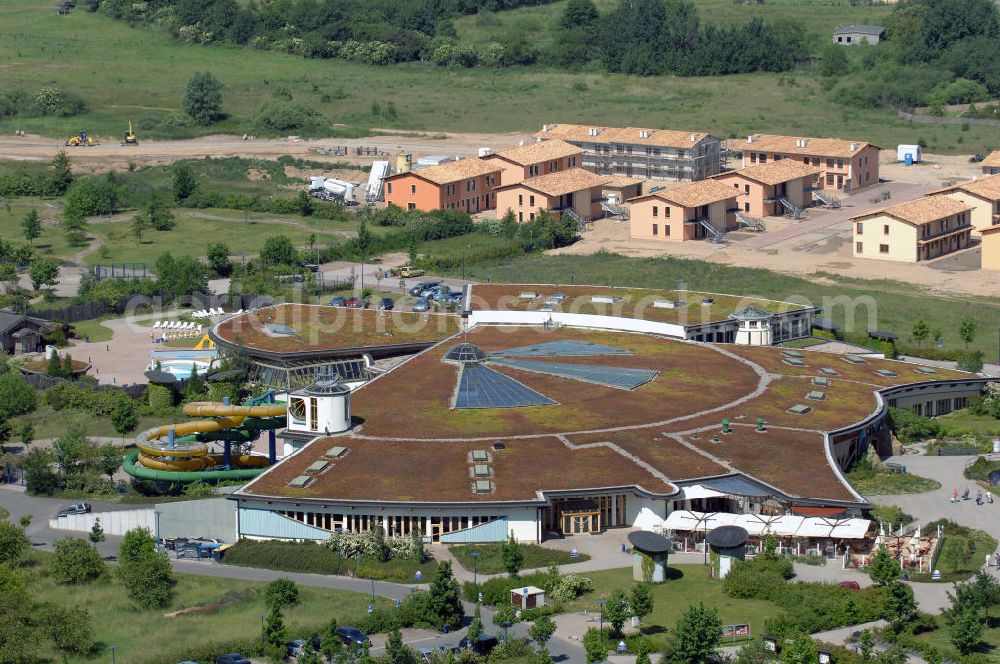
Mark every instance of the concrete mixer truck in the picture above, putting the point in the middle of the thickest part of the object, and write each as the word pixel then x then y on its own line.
pixel 332 189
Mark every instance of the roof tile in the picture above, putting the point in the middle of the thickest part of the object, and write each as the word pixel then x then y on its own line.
pixel 453 171
pixel 774 172
pixel 920 211
pixel 667 138
pixel 695 194
pixel 537 152
pixel 820 147
pixel 562 182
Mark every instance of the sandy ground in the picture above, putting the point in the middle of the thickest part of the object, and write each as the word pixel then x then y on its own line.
pixel 821 242
pixel 112 156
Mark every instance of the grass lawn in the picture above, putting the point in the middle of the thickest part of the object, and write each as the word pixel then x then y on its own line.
pixel 142 635
pixel 94 330
pixel 196 229
pixel 317 559
pixel 49 423
pixel 961 421
pixel 989 646
pixel 962 551
pixel 71 52
pixel 895 305
pixel 689 584
pixel 490 562
pixel 874 483
pixel 52 242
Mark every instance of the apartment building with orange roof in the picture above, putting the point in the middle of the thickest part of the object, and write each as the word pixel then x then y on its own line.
pixel 773 189
pixel 468 184
pixel 983 195
pixel 990 248
pixel 636 152
pixel 991 164
pixel 574 191
pixel 918 230
pixel 843 165
pixel 535 159
pixel 695 211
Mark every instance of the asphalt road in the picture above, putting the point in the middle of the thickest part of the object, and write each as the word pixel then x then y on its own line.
pixel 19 504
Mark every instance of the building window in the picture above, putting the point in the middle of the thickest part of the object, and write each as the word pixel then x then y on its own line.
pixel 883 248
pixel 860 228
pixel 656 211
pixel 520 200
pixel 532 217
pixel 753 157
pixel 746 189
pixel 666 231
pixel 777 157
pixel 829 179
pixel 413 188
pixel 829 163
pixel 763 158
pixel 859 248
pixel 840 40
pixel 666 212
pixel 885 229
pixel 388 188
pixel 840 163
pixel 656 230
pixel 520 216
pixel 411 206
pixel 531 202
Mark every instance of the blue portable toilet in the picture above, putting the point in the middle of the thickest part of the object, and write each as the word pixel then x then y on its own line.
pixel 908 159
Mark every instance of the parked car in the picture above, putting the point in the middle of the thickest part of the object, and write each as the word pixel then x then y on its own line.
pixel 338 301
pixel 429 292
pixel 421 305
pixel 386 303
pixel 408 271
pixel 421 286
pixel 352 635
pixel 485 644
pixel 296 647
pixel 316 642
pixel 354 302
pixel 555 298
pixel 75 508
pixel 231 658
pixel 457 297
pixel 443 294
pixel 853 585
pixel 312 267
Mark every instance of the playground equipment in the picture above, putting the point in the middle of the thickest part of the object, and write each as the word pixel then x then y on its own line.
pixel 181 453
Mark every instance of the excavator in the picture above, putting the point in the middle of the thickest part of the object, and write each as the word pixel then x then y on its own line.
pixel 83 138
pixel 130 138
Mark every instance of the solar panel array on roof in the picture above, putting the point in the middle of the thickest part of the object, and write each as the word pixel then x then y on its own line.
pixel 482 387
pixel 854 359
pixel 795 362
pixel 564 348
pixel 317 466
pixel 822 382
pixel 481 470
pixel 828 372
pixel 483 486
pixel 480 455
pixel 617 377
pixel 336 452
pixel 885 373
pixel 792 353
pixel 300 481
pixel 816 395
pixel 799 409
pixel 926 370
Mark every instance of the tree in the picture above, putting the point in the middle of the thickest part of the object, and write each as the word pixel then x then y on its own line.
pixel 31 226
pixel 595 646
pixel 124 418
pixel 281 594
pixel 43 272
pixel 218 259
pixel 579 14
pixel 505 617
pixel 274 628
pixel 67 367
pixel 696 635
pixel 641 600
pixel 833 61
pixel 185 184
pixel 920 332
pixel 76 562
pixel 96 532
pixel 882 568
pixel 145 572
pixel 476 626
pixel 364 240
pixel 16 396
pixel 642 654
pixel 512 556
pixel 417 545
pixel 967 331
pixel 140 224
pixel 60 174
pixel 445 600
pixel 397 651
pixel 13 543
pixel 109 456
pixel 182 275
pixel 802 650
pixel 900 606
pixel 965 629
pixel 305 206
pixel 203 98
pixel 330 644
pixel 617 610
pixel 541 631
pixel 278 250
pixel 38 474
pixel 981 592
pixel 157 215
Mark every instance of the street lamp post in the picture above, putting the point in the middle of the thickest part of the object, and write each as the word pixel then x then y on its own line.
pixel 601 603
pixel 113 649
pixel 475 567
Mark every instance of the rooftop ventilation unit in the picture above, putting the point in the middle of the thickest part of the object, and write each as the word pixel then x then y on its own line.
pixel 546 127
pixel 816 395
pixel 481 470
pixel 317 467
pixel 480 456
pixel 819 381
pixel 593 131
pixel 828 372
pixel 799 409
pixel 300 482
pixel 886 373
pixel 643 133
pixel 336 452
pixel 499 445
pixel 854 146
pixel 750 139
pixel 483 486
pixel 694 138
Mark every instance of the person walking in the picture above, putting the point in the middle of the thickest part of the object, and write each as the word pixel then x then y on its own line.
pixel 954 496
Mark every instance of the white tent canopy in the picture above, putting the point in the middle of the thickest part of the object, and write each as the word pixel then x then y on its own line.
pixel 787 525
pixel 696 491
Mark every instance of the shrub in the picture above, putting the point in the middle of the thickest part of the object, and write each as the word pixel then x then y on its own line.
pixel 76 561
pixel 910 427
pixel 16 396
pixel 13 542
pixel 758 578
pixel 281 593
pixel 55 102
pixel 277 116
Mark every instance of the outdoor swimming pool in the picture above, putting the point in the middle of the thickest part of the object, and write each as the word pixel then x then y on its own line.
pixel 181 369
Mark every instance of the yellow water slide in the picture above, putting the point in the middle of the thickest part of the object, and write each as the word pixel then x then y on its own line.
pixel 192 456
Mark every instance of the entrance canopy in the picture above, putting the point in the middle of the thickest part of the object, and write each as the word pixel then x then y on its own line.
pixel 757 524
